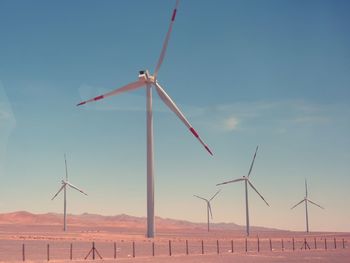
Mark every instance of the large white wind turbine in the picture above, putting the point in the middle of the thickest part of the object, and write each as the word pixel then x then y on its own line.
pixel 150 81
pixel 208 205
pixel 246 182
pixel 65 183
pixel 306 200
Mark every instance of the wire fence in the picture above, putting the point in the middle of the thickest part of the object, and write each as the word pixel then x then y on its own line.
pixel 17 250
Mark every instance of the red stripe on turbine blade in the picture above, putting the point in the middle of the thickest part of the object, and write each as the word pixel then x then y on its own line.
pixel 207 148
pixel 194 132
pixel 174 14
pixel 99 97
pixel 81 103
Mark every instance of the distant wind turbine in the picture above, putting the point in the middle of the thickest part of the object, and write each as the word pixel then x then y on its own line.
pixel 150 81
pixel 306 200
pixel 247 181
pixel 65 183
pixel 208 205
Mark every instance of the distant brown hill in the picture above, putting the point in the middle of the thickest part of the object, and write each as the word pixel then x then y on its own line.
pixel 120 221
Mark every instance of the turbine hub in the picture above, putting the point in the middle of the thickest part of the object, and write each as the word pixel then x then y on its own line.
pixel 146 76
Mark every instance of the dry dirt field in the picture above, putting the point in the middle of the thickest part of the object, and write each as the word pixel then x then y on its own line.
pixel 114 244
pixel 39 238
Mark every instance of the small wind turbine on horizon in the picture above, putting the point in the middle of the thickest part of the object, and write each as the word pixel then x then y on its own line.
pixel 66 183
pixel 306 200
pixel 246 182
pixel 208 205
pixel 151 81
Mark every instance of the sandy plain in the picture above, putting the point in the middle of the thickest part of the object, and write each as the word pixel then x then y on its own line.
pixel 124 241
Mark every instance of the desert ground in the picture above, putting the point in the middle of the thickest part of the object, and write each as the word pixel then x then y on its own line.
pixel 39 238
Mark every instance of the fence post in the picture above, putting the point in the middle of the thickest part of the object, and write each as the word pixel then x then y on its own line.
pixel 231 246
pixel 325 243
pixel 93 250
pixel 246 245
pixel 186 247
pixel 270 245
pixel 315 243
pixel 217 247
pixel 133 249
pixel 293 244
pixel 343 243
pixel 258 245
pixel 153 249
pixel 203 247
pixel 23 252
pixel 306 245
pixel 48 252
pixel 282 245
pixel 169 247
pixel 335 243
pixel 115 250
pixel 71 251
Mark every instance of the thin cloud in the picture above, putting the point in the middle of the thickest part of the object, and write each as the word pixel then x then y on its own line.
pixel 230 124
pixel 312 120
pixel 4 115
pixel 7 118
pixel 279 116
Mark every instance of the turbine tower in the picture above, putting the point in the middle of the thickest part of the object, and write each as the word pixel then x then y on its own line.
pixel 306 200
pixel 208 205
pixel 246 183
pixel 65 183
pixel 151 81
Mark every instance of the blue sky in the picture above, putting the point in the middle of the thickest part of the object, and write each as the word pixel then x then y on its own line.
pixel 272 73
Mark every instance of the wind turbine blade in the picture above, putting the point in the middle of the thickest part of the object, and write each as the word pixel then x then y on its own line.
pixel 211 213
pixel 231 181
pixel 298 203
pixel 306 188
pixel 315 204
pixel 171 104
pixel 128 87
pixel 251 165
pixel 76 188
pixel 201 198
pixel 65 162
pixel 215 195
pixel 166 41
pixel 258 192
pixel 58 191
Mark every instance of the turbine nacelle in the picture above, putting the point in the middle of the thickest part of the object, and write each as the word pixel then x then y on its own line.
pixel 146 76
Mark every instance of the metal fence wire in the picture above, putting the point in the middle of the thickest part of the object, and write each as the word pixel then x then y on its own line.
pixel 30 250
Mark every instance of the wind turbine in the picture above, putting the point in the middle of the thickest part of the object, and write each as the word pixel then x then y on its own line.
pixel 246 182
pixel 306 200
pixel 208 205
pixel 151 81
pixel 65 183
